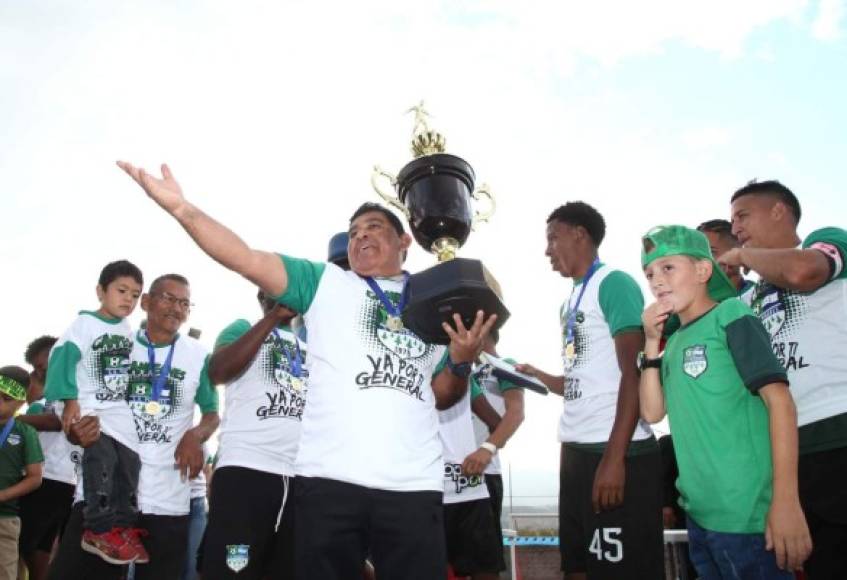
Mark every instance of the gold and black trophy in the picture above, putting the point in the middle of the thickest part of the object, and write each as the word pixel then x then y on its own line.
pixel 434 192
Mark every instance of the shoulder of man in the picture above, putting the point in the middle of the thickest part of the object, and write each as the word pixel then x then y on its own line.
pixel 232 332
pixel 832 242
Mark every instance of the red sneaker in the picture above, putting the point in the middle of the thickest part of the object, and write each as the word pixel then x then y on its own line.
pixel 133 537
pixel 111 546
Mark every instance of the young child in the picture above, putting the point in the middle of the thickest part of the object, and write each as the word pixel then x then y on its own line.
pixel 88 372
pixel 20 465
pixel 732 417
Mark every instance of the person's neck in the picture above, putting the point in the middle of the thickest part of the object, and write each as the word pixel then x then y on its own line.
pixel 698 307
pixel 383 272
pixel 738 281
pixel 159 336
pixel 784 240
pixel 583 265
pixel 102 312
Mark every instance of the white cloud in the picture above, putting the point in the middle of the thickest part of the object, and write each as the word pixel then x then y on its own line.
pixel 827 23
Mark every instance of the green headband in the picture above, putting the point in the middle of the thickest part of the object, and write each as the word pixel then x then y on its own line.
pixel 12 388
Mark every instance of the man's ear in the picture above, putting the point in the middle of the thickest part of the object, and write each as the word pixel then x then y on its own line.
pixel 405 241
pixel 145 302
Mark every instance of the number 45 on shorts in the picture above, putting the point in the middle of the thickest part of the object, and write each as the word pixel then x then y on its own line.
pixel 609 548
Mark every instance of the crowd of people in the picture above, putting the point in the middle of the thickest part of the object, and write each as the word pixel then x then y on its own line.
pixel 350 448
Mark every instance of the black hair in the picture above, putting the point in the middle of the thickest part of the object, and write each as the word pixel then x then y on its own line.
pixel 720 227
pixel 579 213
pixel 178 278
pixel 37 346
pixel 114 270
pixel 17 374
pixel 774 189
pixel 369 206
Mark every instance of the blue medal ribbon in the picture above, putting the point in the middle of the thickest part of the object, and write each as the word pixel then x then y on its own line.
pixel 295 363
pixel 393 311
pixel 569 325
pixel 160 379
pixel 6 430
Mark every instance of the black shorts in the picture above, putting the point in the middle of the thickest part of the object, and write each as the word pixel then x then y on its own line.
pixel 473 546
pixel 246 535
pixel 823 495
pixel 165 541
pixel 44 513
pixel 338 522
pixel 625 542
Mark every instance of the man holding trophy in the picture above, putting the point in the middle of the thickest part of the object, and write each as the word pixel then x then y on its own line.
pixel 369 469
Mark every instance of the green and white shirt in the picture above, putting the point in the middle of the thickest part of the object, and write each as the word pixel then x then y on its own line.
pixel 90 363
pixel 161 490
pixel 264 404
pixel 458 441
pixel 484 383
pixel 809 337
pixel 20 449
pixel 712 370
pixel 62 459
pixel 371 418
pixel 612 304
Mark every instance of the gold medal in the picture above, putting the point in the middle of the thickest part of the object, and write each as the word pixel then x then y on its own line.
pixel 152 408
pixel 394 323
pixel 297 383
pixel 570 351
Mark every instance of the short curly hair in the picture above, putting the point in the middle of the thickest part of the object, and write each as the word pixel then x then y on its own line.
pixel 579 213
pixel 37 346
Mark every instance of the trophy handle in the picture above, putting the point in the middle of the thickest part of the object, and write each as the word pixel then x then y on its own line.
pixel 389 198
pixel 483 216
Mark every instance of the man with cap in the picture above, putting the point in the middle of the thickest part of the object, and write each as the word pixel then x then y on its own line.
pixel 369 468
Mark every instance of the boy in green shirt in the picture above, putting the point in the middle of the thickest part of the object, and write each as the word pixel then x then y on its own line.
pixel 20 465
pixel 732 417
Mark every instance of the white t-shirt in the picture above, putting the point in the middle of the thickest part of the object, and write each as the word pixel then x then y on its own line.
pixel 492 389
pixel 264 404
pixel 612 303
pixel 62 459
pixel 458 441
pixel 371 418
pixel 161 490
pixel 90 363
pixel 808 335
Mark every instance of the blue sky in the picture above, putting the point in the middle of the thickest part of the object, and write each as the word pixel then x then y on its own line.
pixel 272 114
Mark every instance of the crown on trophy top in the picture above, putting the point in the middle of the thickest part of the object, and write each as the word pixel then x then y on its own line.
pixel 425 141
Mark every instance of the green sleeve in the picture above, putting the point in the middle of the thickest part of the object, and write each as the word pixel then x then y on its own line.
pixel 206 396
pixel 441 363
pixel 750 346
pixel 505 385
pixel 303 279
pixel 32 446
pixel 476 390
pixel 35 409
pixel 232 333
pixel 61 373
pixel 834 237
pixel 621 302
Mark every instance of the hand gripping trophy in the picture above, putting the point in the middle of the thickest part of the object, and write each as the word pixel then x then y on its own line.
pixel 434 192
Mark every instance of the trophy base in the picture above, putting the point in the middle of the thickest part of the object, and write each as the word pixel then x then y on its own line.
pixel 456 286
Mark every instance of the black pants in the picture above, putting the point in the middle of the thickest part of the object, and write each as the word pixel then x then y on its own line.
pixel 72 563
pixel 823 494
pixel 165 542
pixel 110 484
pixel 166 539
pixel 242 539
pixel 625 542
pixel 338 522
pixel 494 483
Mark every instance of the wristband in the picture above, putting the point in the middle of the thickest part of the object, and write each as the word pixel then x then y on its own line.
pixel 490 447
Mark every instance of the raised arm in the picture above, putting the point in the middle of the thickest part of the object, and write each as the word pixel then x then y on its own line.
pixel 799 270
pixel 465 346
pixel 264 269
pixel 650 395
pixel 230 360
pixel 556 383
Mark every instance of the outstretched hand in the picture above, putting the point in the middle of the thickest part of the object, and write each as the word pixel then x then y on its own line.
pixel 466 343
pixel 165 191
